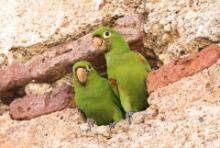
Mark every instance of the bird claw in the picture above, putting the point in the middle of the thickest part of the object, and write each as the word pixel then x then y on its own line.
pixel 112 125
pixel 128 116
pixel 90 123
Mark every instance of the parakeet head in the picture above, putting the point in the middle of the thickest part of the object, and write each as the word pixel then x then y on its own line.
pixel 110 37
pixel 82 71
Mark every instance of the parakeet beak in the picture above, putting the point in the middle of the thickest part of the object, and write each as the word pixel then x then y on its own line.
pixel 82 75
pixel 99 43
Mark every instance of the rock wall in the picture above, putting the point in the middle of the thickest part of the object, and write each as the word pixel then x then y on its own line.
pixel 29 27
pixel 182 114
pixel 176 28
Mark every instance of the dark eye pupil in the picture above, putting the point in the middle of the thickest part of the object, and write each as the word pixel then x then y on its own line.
pixel 89 67
pixel 107 33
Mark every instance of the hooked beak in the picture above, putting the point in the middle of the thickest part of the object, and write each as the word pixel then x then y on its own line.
pixel 82 75
pixel 99 43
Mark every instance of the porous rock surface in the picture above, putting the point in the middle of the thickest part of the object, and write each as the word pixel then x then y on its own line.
pixel 35 24
pixel 58 60
pixel 182 114
pixel 32 106
pixel 175 28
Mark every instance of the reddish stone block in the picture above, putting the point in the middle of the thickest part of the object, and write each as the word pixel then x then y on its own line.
pixel 183 67
pixel 35 105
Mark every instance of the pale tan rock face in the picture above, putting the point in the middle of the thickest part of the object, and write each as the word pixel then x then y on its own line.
pixel 31 27
pixel 37 88
pixel 174 28
pixel 27 23
pixel 182 114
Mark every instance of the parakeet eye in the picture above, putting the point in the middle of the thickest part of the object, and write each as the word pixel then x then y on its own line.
pixel 106 34
pixel 89 67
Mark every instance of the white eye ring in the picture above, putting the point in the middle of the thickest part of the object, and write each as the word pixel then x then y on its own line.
pixel 89 68
pixel 107 34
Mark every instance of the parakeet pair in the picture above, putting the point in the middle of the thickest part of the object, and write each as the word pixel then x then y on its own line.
pixel 106 101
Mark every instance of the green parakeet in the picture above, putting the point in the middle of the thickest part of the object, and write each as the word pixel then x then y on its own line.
pixel 127 70
pixel 94 95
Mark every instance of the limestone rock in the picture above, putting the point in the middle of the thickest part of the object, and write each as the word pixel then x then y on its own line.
pixel 56 62
pixel 38 24
pixel 37 88
pixel 174 28
pixel 182 114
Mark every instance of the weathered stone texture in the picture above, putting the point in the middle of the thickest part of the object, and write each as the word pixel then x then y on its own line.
pixel 36 105
pixel 39 23
pixel 55 63
pixel 183 67
pixel 182 114
pixel 175 28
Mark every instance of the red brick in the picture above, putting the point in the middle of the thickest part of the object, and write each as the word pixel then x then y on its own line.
pixel 35 105
pixel 183 67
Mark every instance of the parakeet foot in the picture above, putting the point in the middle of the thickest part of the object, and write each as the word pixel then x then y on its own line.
pixel 112 125
pixel 128 116
pixel 90 123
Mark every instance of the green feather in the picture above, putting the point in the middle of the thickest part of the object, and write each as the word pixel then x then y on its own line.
pixel 96 98
pixel 128 68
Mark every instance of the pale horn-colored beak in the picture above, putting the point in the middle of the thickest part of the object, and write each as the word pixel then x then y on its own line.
pixel 82 75
pixel 99 43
